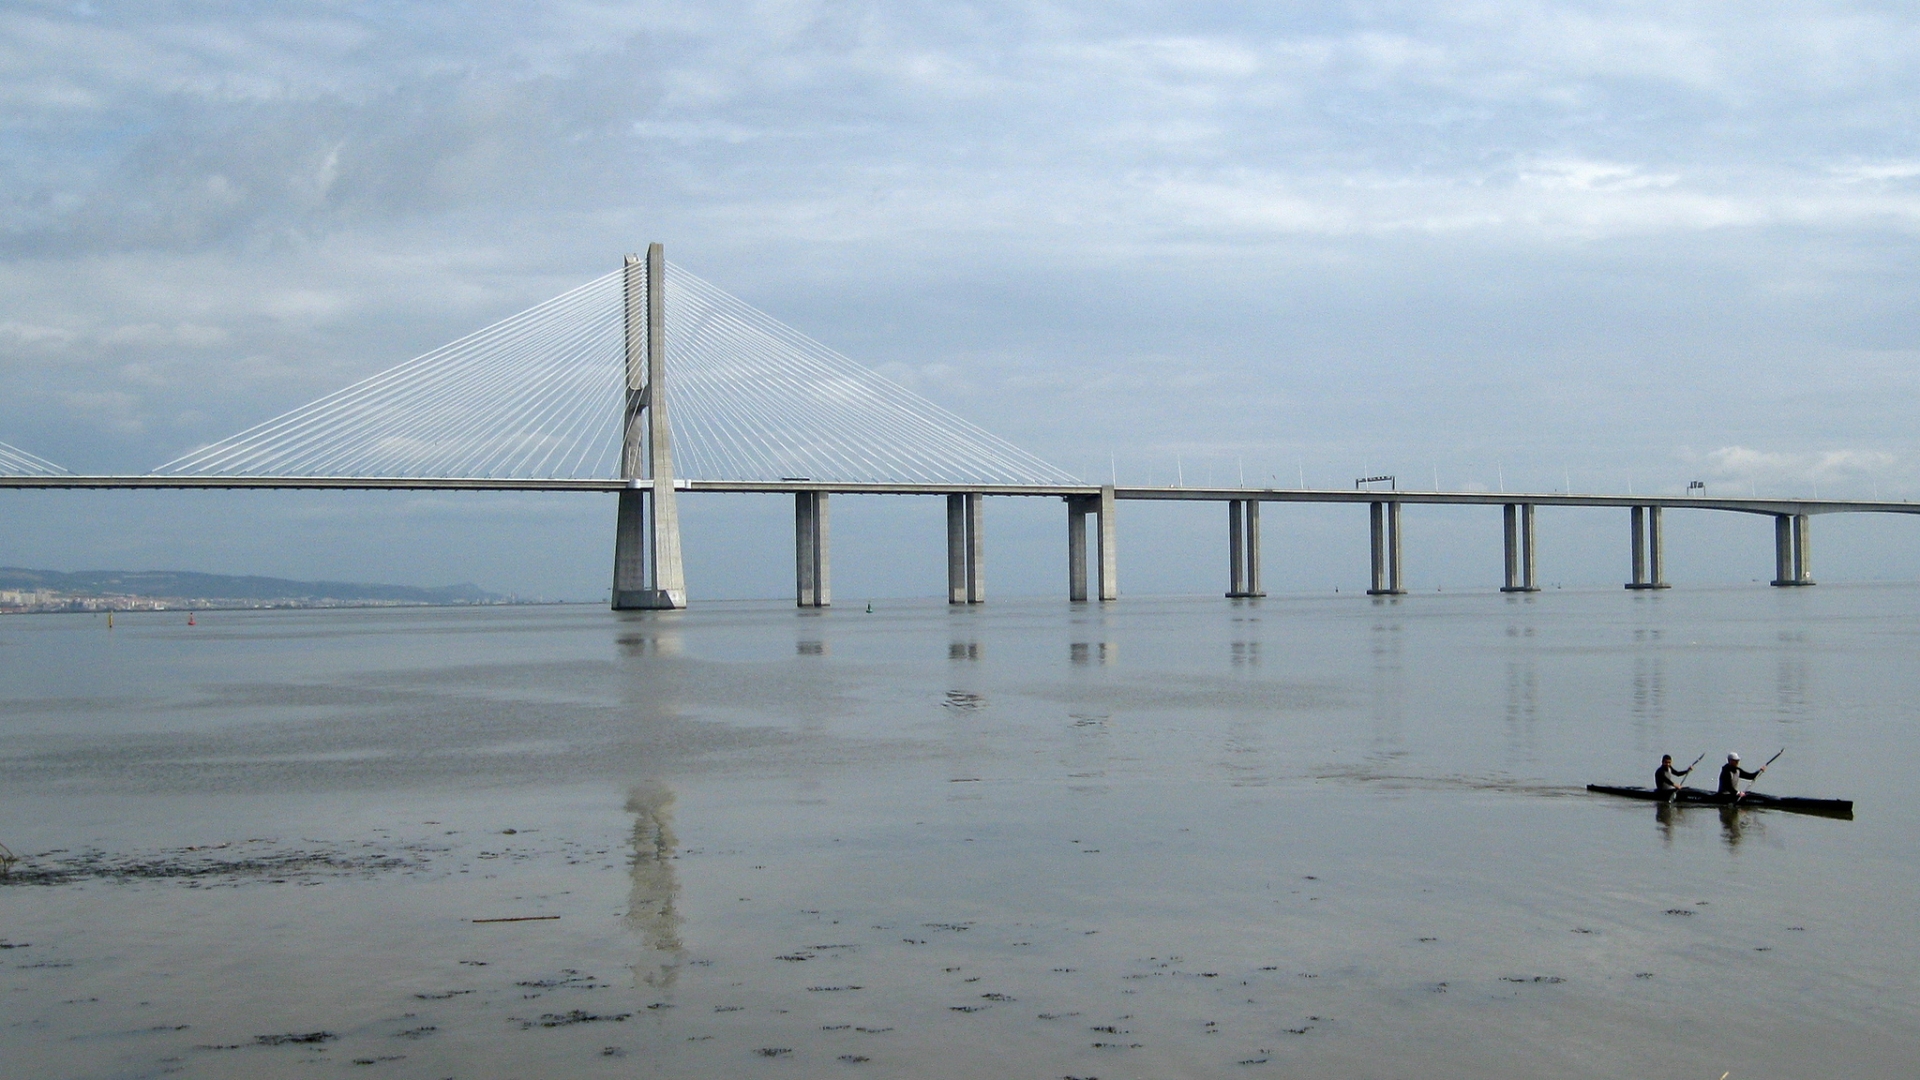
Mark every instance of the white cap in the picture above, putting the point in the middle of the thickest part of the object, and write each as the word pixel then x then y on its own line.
pixel 1733 757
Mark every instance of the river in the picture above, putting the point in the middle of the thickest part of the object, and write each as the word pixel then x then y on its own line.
pixel 1167 837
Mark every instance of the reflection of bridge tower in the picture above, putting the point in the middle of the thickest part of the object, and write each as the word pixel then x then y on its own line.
pixel 646 547
pixel 651 910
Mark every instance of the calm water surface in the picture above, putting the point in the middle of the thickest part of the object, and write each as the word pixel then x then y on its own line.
pixel 1325 837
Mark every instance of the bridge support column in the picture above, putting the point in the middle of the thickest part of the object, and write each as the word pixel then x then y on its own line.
pixel 813 577
pixel 966 551
pixel 1243 548
pixel 1530 553
pixel 1105 555
pixel 956 549
pixel 646 547
pixel 1520 563
pixel 1385 520
pixel 1077 508
pixel 1803 548
pixel 646 550
pixel 1792 548
pixel 1649 550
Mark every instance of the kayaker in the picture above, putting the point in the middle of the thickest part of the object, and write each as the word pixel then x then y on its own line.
pixel 1731 774
pixel 1667 779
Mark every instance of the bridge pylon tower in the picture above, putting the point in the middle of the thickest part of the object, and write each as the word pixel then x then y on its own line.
pixel 646 552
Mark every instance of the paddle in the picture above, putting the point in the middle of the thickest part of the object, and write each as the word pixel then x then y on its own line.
pixel 1760 770
pixel 1696 761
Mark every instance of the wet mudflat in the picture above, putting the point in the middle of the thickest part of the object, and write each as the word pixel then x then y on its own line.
pixel 1169 838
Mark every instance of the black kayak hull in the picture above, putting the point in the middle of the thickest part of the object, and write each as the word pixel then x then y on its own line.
pixel 1752 800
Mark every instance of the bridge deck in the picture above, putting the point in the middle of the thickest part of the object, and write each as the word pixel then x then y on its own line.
pixel 775 487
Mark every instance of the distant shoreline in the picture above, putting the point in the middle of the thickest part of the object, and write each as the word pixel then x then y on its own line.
pixel 26 591
pixel 138 604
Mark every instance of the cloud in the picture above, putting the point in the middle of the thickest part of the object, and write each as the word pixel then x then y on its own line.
pixel 30 335
pixel 117 411
pixel 1573 174
pixel 190 335
pixel 1878 173
pixel 178 130
pixel 1743 465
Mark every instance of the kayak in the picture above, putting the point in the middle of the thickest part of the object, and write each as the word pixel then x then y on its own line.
pixel 1840 808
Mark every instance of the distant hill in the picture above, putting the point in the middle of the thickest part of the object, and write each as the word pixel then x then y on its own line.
pixel 185 584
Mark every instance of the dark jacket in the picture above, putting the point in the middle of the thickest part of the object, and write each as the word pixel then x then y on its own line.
pixel 1729 774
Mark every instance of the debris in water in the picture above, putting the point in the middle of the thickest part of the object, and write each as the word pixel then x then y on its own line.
pixel 568 1019
pixel 568 977
pixel 197 863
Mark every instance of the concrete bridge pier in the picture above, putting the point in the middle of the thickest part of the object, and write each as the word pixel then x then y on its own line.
pixel 1385 519
pixel 1518 518
pixel 646 540
pixel 812 570
pixel 1649 550
pixel 1077 547
pixel 1101 507
pixel 646 551
pixel 1792 548
pixel 1106 550
pixel 966 551
pixel 1243 549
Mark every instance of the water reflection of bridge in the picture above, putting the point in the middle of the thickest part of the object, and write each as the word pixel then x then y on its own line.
pixel 573 395
pixel 652 903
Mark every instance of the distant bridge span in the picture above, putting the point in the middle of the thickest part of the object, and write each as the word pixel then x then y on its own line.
pixel 1793 539
pixel 572 395
pixel 1735 504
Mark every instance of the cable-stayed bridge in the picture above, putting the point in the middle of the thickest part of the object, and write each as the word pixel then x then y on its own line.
pixel 15 462
pixel 649 382
pixel 540 396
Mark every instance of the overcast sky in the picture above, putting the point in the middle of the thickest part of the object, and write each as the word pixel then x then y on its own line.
pixel 1501 243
